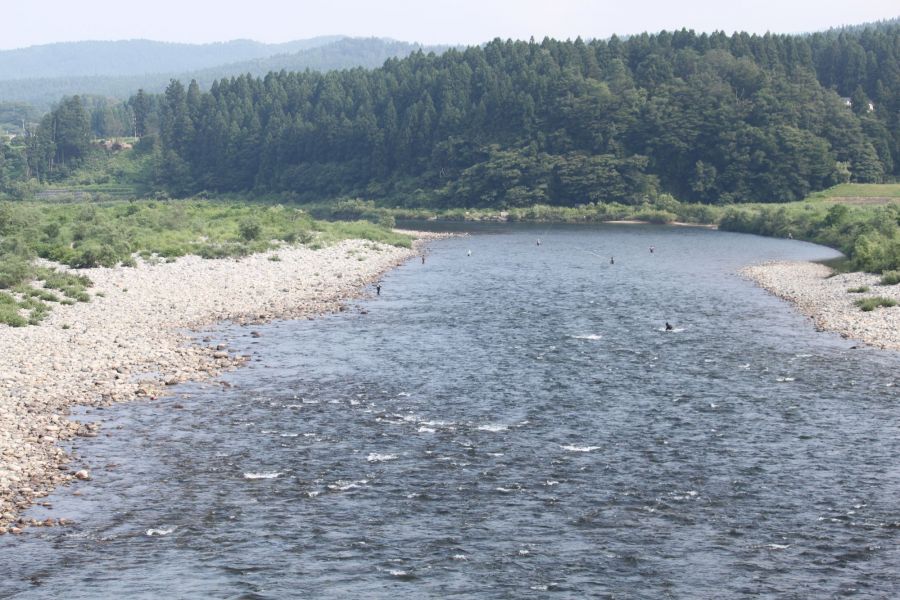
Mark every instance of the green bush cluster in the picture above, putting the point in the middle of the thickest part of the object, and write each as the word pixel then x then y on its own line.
pixel 663 209
pixel 870 304
pixel 30 309
pixel 89 234
pixel 868 235
pixel 890 278
pixel 84 235
pixel 13 270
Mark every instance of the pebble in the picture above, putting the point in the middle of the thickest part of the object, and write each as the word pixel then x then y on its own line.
pixel 823 296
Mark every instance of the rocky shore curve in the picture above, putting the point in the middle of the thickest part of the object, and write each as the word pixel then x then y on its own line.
pixel 825 297
pixel 133 339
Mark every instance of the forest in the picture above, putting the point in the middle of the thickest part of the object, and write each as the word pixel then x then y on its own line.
pixel 710 118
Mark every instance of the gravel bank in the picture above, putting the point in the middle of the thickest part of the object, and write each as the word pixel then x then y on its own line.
pixel 130 341
pixel 828 302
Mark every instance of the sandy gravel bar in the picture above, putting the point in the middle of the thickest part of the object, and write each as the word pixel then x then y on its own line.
pixel 132 341
pixel 824 298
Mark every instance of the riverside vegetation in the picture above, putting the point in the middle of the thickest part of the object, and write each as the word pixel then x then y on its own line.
pixel 84 235
pixel 88 234
pixel 867 233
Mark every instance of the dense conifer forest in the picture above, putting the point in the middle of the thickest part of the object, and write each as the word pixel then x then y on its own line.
pixel 712 118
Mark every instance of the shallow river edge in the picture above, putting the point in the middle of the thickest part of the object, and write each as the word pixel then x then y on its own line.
pixel 141 333
pixel 138 336
pixel 826 297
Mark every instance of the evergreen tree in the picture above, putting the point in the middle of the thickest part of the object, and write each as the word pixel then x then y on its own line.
pixel 709 117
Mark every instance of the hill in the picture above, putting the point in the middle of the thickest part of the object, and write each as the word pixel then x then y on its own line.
pixel 136 57
pixel 368 53
pixel 706 117
pixel 203 63
pixel 711 118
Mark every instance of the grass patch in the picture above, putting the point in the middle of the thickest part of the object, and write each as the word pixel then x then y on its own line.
pixel 72 286
pixel 851 191
pixel 332 233
pixel 838 265
pixel 10 315
pixel 30 310
pixel 14 270
pixel 870 304
pixel 859 290
pixel 37 310
pixel 890 278
pixel 29 292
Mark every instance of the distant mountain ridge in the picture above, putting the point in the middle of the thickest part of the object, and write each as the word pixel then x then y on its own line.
pixel 369 53
pixel 316 54
pixel 137 57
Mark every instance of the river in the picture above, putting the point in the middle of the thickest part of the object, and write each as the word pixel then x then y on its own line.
pixel 506 420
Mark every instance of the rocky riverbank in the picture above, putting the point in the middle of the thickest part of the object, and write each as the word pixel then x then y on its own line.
pixel 132 340
pixel 826 298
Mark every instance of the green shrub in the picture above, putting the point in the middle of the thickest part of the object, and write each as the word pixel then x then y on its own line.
pixel 9 314
pixel 870 304
pixel 387 221
pixel 13 270
pixel 660 217
pixel 250 229
pixel 37 310
pixel 61 254
pixel 73 286
pixel 859 290
pixel 890 278
pixel 30 292
pixel 212 251
pixel 93 254
pixel 51 230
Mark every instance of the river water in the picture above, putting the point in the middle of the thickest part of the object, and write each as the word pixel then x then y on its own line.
pixel 514 423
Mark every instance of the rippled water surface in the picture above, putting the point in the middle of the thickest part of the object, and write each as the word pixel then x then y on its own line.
pixel 511 424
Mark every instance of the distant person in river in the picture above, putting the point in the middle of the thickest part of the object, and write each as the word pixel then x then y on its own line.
pixel 377 289
pixel 612 260
pixel 469 253
pixel 539 242
pixel 423 259
pixel 652 249
pixel 669 327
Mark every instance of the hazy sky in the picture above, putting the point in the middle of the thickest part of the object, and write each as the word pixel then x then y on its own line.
pixel 28 23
